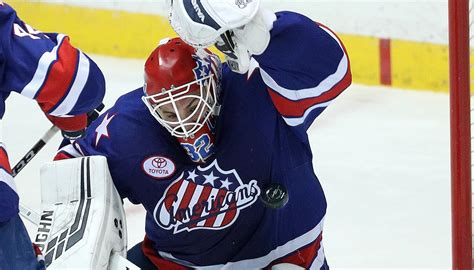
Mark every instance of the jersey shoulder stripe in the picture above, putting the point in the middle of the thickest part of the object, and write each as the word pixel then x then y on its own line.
pixel 69 101
pixel 60 78
pixel 46 60
pixel 332 76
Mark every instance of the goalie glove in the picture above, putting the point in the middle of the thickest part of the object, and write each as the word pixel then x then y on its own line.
pixel 241 43
pixel 238 28
pixel 201 22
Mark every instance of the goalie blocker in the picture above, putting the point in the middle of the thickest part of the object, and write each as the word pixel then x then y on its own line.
pixel 82 221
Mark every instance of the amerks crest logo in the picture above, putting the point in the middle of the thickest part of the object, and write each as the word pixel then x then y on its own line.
pixel 207 198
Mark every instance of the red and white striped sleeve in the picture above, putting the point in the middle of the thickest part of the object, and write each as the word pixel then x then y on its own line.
pixel 46 67
pixel 305 67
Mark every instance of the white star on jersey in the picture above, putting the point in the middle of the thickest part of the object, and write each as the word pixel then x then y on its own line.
pixel 192 176
pixel 102 130
pixel 226 184
pixel 210 178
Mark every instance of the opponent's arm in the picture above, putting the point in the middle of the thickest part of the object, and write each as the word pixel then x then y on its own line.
pixel 64 81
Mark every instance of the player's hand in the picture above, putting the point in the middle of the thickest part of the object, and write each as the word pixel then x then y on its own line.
pixel 241 43
pixel 94 114
pixel 238 28
pixel 201 22
pixel 74 127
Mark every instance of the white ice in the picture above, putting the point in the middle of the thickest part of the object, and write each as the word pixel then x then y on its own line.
pixel 382 155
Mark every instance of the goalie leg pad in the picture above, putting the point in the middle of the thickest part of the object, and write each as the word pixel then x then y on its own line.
pixel 82 221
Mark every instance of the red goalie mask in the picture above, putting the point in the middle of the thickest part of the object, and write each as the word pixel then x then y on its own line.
pixel 182 85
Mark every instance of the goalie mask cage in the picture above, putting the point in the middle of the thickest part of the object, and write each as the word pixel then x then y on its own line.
pixel 460 22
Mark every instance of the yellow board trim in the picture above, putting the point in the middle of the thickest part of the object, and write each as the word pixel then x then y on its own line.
pixel 415 65
pixel 364 58
pixel 100 31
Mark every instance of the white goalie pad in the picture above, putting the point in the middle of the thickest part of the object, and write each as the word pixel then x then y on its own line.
pixel 82 223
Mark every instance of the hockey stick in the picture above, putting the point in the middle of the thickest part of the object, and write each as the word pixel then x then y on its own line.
pixel 25 211
pixel 29 214
pixel 34 150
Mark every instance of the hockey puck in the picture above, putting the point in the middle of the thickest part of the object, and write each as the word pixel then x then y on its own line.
pixel 274 196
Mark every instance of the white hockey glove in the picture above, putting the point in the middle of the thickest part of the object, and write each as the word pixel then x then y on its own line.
pixel 239 28
pixel 241 43
pixel 82 222
pixel 201 22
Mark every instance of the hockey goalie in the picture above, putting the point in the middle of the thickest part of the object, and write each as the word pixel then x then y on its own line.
pixel 82 223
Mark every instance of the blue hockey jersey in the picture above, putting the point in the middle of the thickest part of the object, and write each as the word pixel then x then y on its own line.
pixel 47 68
pixel 209 216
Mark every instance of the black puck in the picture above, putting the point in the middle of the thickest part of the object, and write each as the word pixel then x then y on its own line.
pixel 274 196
